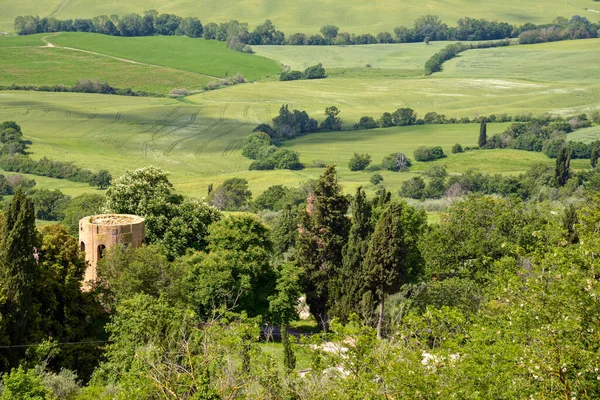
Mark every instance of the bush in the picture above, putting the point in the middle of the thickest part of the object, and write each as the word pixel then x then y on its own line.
pixel 429 153
pixel 315 72
pixel 261 165
pixel 254 143
pixel 291 76
pixel 457 148
pixel 359 162
pixel 376 179
pixel 413 188
pixel 396 162
pixel 286 159
pixel 366 123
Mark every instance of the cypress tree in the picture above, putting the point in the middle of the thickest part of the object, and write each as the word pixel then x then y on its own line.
pixel 483 133
pixel 19 270
pixel 594 157
pixel 351 282
pixel 322 233
pixel 561 171
pixel 394 258
pixel 289 358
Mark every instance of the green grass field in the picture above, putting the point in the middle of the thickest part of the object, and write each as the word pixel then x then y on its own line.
pixel 200 56
pixel 200 143
pixel 56 66
pixel 308 15
pixel 406 56
pixel 571 61
pixel 586 135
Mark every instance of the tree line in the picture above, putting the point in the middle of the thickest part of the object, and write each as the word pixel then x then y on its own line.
pixel 483 301
pixel 82 86
pixel 238 36
pixel 14 158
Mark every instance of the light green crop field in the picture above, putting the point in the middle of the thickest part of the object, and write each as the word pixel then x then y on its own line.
pixel 356 97
pixel 308 15
pixel 405 56
pixel 200 143
pixel 18 41
pixel 586 135
pixel 57 66
pixel 201 56
pixel 570 61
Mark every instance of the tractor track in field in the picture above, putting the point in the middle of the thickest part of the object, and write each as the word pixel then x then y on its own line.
pixel 198 152
pixel 245 112
pixel 118 116
pixel 178 141
pixel 57 9
pixel 157 126
pixel 233 146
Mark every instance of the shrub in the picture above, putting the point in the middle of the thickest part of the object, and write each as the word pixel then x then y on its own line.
pixel 457 148
pixel 396 162
pixel 315 72
pixel 254 143
pixel 429 153
pixel 286 159
pixel 376 179
pixel 262 165
pixel 291 76
pixel 359 162
pixel 366 123
pixel 413 188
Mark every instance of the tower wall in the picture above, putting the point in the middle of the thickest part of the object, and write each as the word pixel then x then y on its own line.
pixel 98 233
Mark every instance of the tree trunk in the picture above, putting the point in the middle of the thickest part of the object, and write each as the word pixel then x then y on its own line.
pixel 380 319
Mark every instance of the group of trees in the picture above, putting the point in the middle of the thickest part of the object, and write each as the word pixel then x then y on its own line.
pixel 313 72
pixel 468 304
pixel 434 64
pixel 396 162
pixel 547 134
pixel 238 36
pixel 266 156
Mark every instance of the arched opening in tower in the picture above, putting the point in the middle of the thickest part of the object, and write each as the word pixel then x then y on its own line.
pixel 82 246
pixel 101 249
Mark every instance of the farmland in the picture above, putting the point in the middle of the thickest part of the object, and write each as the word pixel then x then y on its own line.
pixel 198 138
pixel 353 15
pixel 201 56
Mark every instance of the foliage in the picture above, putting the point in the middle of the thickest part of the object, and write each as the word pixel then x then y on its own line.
pixel 276 197
pixel 457 148
pixel 25 385
pixel 331 122
pixel 232 195
pixel 396 162
pixel 429 153
pixel 376 179
pixel 101 179
pixel 413 188
pixel 50 204
pixel 235 274
pixel 322 232
pixel 394 257
pixel 434 64
pixel 366 122
pixel 561 172
pixel 359 162
pixel 171 221
pixel 81 206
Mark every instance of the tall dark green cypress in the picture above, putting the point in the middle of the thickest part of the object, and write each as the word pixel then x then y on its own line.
pixel 393 257
pixel 563 164
pixel 19 270
pixel 594 157
pixel 351 286
pixel 322 233
pixel 482 134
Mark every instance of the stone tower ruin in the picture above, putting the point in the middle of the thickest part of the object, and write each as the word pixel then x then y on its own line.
pixel 99 232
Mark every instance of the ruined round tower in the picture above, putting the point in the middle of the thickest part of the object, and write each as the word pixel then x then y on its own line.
pixel 99 232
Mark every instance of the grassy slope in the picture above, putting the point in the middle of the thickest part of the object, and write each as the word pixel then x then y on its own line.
pixel 410 56
pixel 573 61
pixel 309 15
pixel 193 55
pixel 199 144
pixel 51 66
